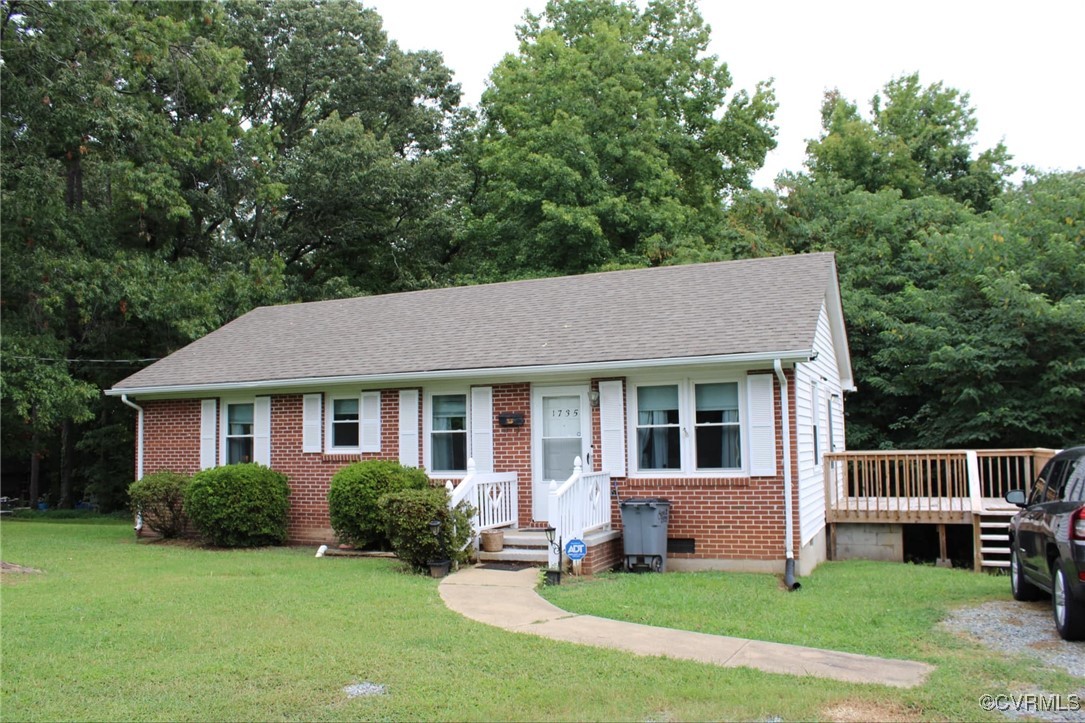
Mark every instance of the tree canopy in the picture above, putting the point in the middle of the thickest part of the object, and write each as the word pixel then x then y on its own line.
pixel 168 166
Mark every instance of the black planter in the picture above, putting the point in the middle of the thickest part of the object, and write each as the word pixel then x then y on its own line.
pixel 553 577
pixel 439 568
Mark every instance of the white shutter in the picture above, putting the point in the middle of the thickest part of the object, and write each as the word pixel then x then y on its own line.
pixel 261 431
pixel 208 420
pixel 371 421
pixel 482 428
pixel 408 427
pixel 762 416
pixel 612 427
pixel 310 425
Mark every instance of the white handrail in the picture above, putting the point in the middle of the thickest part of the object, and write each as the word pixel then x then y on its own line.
pixel 579 505
pixel 494 495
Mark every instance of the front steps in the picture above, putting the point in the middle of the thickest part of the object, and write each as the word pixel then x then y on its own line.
pixel 529 546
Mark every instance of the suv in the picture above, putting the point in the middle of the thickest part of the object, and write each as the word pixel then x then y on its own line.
pixel 1047 541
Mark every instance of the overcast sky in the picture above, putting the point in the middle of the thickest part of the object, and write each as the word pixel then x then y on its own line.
pixel 1021 62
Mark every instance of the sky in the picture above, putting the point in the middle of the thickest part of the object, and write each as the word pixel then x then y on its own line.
pixel 1021 62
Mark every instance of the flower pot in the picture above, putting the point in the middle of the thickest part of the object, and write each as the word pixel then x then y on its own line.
pixel 493 540
pixel 439 568
pixel 553 577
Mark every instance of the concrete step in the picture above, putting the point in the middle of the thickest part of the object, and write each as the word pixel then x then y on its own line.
pixel 984 551
pixel 513 554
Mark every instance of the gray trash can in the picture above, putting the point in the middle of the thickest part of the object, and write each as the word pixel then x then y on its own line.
pixel 644 533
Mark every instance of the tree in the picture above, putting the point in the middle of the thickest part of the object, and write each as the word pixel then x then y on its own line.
pixel 609 139
pixel 917 141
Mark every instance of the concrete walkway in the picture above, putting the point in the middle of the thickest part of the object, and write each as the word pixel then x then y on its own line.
pixel 507 599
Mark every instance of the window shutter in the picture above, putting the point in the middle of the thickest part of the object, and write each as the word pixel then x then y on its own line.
pixel 408 427
pixel 762 425
pixel 261 431
pixel 371 421
pixel 208 419
pixel 612 427
pixel 310 434
pixel 482 428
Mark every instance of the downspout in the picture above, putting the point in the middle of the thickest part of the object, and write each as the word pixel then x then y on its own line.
pixel 789 527
pixel 139 454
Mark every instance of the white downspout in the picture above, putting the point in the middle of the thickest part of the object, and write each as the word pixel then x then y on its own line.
pixel 789 527
pixel 139 453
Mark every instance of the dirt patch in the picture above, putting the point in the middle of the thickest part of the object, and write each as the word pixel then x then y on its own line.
pixel 860 711
pixel 10 567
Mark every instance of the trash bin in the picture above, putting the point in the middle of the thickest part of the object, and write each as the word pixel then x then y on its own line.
pixel 644 533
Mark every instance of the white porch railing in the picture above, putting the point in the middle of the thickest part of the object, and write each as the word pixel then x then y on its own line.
pixel 578 506
pixel 492 494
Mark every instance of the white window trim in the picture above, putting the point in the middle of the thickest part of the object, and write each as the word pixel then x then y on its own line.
pixel 329 415
pixel 224 425
pixel 687 404
pixel 427 429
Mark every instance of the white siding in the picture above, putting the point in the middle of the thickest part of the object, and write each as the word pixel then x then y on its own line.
pixel 825 373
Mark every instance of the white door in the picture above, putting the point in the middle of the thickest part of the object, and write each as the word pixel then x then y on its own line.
pixel 562 432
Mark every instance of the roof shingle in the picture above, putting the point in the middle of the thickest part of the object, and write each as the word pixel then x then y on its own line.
pixel 734 307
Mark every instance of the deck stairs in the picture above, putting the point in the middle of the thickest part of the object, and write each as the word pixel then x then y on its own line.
pixel 992 537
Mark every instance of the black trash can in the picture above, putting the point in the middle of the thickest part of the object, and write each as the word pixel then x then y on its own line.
pixel 644 533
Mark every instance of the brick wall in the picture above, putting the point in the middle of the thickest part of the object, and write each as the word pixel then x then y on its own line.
pixel 729 518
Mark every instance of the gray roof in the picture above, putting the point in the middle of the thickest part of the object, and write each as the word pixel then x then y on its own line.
pixel 755 306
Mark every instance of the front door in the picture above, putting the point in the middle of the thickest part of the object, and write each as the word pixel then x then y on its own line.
pixel 561 427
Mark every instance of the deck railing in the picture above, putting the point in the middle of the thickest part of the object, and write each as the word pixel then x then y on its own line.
pixel 578 506
pixel 924 486
pixel 492 494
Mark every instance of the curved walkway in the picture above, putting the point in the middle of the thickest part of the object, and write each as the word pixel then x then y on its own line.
pixel 507 599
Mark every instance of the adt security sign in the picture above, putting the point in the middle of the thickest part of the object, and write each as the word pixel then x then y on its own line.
pixel 576 549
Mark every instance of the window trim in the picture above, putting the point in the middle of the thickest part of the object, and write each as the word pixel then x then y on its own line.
pixel 224 428
pixel 427 429
pixel 687 416
pixel 329 423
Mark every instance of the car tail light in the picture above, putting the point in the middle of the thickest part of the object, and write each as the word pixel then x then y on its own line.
pixel 1077 524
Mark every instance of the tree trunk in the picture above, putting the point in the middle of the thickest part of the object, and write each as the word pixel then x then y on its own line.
pixel 67 464
pixel 35 459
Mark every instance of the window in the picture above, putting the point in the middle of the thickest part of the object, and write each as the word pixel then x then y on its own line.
pixel 718 438
pixel 239 433
pixel 448 433
pixel 689 426
pixel 345 419
pixel 658 441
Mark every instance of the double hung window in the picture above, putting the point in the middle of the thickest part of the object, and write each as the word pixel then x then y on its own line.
pixel 239 433
pixel 448 432
pixel 345 419
pixel 688 427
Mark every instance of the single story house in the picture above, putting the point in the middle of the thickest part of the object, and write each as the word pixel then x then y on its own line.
pixel 717 386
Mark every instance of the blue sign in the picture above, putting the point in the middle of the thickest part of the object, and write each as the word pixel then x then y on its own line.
pixel 576 549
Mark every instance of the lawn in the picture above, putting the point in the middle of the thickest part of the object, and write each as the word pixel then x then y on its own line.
pixel 113 629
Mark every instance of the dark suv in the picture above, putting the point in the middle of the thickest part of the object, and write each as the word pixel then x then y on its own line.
pixel 1047 541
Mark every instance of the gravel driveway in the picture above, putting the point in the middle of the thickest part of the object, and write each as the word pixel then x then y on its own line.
pixel 1024 628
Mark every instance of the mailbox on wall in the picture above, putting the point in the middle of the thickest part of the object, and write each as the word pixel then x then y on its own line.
pixel 510 419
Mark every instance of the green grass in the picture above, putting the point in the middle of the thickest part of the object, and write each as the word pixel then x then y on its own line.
pixel 119 630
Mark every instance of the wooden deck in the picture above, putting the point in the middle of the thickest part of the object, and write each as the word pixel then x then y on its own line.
pixel 932 487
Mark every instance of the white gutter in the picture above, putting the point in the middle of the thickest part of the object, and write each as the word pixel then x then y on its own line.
pixel 797 355
pixel 139 435
pixel 789 527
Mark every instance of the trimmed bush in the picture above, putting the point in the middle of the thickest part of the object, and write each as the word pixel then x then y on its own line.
pixel 353 496
pixel 239 505
pixel 160 498
pixel 407 516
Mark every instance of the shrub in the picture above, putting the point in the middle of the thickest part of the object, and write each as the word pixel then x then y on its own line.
pixel 407 515
pixel 239 505
pixel 160 498
pixel 353 496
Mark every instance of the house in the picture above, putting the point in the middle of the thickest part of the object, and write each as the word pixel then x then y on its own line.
pixel 717 386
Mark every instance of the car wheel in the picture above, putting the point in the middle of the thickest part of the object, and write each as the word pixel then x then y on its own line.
pixel 1069 613
pixel 1020 587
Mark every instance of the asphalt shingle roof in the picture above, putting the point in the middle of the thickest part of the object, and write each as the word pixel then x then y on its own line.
pixel 734 307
